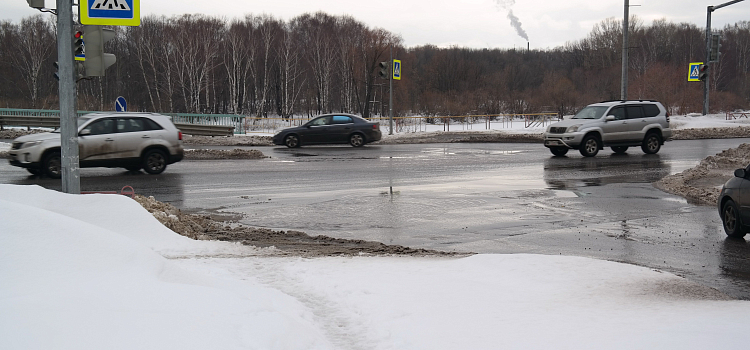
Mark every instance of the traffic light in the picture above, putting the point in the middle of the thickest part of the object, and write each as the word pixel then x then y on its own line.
pixel 96 60
pixel 78 46
pixel 715 46
pixel 37 4
pixel 703 72
pixel 383 72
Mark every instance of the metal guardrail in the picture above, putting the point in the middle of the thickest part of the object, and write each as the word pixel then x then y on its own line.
pixel 205 130
pixel 206 125
pixel 30 122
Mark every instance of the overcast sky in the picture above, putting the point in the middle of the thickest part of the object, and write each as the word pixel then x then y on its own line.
pixel 467 23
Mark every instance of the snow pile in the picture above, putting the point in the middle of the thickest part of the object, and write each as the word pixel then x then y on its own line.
pixel 88 272
pixel 702 183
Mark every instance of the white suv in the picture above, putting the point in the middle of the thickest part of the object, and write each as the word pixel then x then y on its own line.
pixel 615 124
pixel 116 140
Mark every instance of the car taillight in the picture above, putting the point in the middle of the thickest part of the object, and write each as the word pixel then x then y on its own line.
pixel 376 126
pixel 667 117
pixel 179 135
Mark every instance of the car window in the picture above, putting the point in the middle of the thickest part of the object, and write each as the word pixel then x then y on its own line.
pixel 149 124
pixel 650 110
pixel 591 112
pixel 634 112
pixel 618 112
pixel 100 127
pixel 130 124
pixel 342 119
pixel 321 121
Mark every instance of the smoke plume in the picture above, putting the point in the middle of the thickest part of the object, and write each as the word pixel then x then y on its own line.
pixel 505 5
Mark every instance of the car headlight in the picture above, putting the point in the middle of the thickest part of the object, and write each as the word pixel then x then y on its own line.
pixel 30 144
pixel 573 128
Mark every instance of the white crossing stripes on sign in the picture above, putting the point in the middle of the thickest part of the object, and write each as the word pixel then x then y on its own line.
pixel 110 5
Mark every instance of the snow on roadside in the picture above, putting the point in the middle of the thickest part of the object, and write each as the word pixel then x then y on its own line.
pixel 88 272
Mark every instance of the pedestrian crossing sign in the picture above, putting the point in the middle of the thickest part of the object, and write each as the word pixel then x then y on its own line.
pixel 396 69
pixel 110 12
pixel 694 71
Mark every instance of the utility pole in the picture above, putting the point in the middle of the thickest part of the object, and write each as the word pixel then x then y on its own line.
pixel 708 49
pixel 624 82
pixel 71 180
pixel 390 99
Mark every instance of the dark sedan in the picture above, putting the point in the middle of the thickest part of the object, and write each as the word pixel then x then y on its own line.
pixel 734 204
pixel 330 129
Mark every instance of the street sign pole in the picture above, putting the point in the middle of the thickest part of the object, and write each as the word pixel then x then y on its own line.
pixel 71 181
pixel 390 99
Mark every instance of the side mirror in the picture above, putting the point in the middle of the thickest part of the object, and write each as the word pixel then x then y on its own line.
pixel 84 132
pixel 609 118
pixel 740 173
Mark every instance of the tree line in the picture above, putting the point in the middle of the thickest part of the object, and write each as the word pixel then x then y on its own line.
pixel 262 66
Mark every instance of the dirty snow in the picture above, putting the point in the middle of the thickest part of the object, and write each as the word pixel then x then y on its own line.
pixel 100 272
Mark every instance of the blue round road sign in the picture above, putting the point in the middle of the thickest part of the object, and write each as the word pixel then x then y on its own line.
pixel 121 105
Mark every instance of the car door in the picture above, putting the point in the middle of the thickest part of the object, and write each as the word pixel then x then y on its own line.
pixel 132 134
pixel 613 131
pixel 97 141
pixel 636 123
pixel 317 131
pixel 341 127
pixel 744 198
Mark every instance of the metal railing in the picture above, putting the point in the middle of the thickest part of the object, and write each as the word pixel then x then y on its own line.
pixel 737 115
pixel 193 124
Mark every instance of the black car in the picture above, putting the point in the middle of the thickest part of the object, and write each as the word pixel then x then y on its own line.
pixel 330 129
pixel 734 204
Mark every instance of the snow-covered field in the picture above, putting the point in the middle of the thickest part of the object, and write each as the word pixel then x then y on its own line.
pixel 99 272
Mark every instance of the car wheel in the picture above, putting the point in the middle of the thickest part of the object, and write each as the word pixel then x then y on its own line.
pixel 651 144
pixel 731 220
pixel 559 151
pixel 34 171
pixel 154 161
pixel 52 165
pixel 619 149
pixel 357 140
pixel 291 141
pixel 589 146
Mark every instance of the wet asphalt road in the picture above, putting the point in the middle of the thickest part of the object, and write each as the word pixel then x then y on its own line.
pixel 485 198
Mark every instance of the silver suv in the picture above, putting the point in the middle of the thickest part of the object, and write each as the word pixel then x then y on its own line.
pixel 615 124
pixel 116 140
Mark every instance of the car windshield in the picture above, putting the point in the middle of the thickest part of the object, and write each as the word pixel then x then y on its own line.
pixel 81 121
pixel 591 112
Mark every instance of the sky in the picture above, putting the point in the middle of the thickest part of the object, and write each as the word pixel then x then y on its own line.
pixel 467 23
pixel 98 271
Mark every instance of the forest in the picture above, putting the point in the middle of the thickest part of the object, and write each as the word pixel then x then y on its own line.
pixel 315 63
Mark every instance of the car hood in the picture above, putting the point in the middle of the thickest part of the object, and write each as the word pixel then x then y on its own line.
pixel 38 137
pixel 570 122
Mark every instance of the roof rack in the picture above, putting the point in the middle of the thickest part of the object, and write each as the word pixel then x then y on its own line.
pixel 628 101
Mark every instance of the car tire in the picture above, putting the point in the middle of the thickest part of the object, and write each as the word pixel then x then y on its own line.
pixel 559 151
pixel 154 161
pixel 291 141
pixel 52 165
pixel 651 143
pixel 619 149
pixel 590 146
pixel 357 140
pixel 731 220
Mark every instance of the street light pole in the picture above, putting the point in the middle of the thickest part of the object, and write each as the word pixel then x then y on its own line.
pixel 624 82
pixel 390 99
pixel 708 49
pixel 71 181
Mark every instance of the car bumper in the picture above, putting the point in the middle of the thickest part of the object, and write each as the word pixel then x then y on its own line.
pixel 570 140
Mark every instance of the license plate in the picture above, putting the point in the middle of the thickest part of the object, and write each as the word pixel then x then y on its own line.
pixel 553 143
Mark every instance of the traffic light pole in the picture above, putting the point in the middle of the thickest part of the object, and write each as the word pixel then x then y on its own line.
pixel 708 49
pixel 71 181
pixel 390 99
